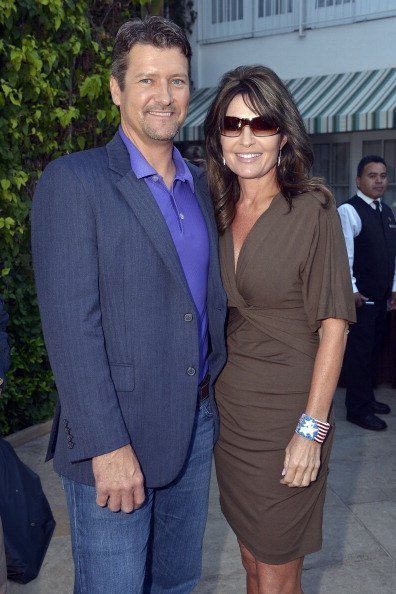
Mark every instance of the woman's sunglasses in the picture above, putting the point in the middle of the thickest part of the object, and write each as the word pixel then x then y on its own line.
pixel 233 126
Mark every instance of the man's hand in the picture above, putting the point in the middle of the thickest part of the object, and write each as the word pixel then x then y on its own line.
pixel 359 299
pixel 118 479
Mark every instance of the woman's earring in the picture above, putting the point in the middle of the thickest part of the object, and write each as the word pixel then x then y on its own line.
pixel 279 156
pixel 223 161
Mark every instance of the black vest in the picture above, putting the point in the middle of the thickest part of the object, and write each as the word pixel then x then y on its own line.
pixel 375 250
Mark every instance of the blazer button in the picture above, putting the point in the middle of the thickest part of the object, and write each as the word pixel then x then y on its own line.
pixel 188 317
pixel 191 371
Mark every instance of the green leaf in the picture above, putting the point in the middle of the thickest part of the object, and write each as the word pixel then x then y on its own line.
pixel 100 115
pixel 91 87
pixel 16 57
pixel 81 142
pixel 6 88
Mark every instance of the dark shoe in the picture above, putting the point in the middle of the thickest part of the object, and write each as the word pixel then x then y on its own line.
pixel 380 408
pixel 369 421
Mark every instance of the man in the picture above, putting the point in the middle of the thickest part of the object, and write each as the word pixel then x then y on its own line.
pixel 125 257
pixel 370 233
pixel 4 366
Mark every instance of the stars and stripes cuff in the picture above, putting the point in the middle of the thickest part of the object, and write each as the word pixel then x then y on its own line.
pixel 312 428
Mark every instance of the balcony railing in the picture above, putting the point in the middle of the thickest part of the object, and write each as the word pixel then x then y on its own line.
pixel 233 19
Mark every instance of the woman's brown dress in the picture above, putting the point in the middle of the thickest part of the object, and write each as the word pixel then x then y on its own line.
pixel 292 272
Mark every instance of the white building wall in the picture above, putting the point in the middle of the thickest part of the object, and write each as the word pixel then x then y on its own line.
pixel 327 50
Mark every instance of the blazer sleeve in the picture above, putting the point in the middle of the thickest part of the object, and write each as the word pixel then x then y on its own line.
pixel 4 347
pixel 65 259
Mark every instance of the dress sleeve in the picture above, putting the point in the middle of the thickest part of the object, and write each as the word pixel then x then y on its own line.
pixel 327 286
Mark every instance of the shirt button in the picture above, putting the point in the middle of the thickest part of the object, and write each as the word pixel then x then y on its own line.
pixel 154 178
pixel 191 371
pixel 181 215
pixel 188 317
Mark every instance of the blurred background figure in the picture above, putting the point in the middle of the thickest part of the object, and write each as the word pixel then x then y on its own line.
pixel 195 154
pixel 369 228
pixel 4 366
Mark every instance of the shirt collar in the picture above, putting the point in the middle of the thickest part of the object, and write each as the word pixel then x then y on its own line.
pixel 142 168
pixel 367 198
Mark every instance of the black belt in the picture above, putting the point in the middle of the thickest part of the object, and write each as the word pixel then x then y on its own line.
pixel 203 388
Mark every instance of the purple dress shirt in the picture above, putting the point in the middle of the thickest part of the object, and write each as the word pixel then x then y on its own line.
pixel 187 227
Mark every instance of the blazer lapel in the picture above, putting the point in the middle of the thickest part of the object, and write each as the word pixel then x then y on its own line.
pixel 145 208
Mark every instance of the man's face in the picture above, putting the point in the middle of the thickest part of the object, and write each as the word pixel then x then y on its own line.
pixel 156 93
pixel 373 181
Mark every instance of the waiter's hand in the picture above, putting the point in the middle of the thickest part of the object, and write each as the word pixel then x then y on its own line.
pixel 359 299
pixel 118 479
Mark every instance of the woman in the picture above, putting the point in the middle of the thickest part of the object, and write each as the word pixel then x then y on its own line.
pixel 285 270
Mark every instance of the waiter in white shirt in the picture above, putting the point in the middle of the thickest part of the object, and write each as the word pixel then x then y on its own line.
pixel 370 234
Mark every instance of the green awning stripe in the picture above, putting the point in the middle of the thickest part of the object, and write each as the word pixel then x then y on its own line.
pixel 347 102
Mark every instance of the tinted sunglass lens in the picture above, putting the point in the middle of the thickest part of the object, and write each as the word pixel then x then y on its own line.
pixel 231 126
pixel 261 127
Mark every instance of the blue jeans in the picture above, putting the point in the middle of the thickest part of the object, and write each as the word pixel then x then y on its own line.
pixel 156 549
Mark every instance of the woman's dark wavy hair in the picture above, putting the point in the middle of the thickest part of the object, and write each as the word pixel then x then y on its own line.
pixel 264 93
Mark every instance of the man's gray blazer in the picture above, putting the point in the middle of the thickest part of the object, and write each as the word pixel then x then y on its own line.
pixel 116 315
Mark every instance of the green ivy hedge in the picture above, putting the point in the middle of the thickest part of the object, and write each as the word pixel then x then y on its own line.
pixel 54 99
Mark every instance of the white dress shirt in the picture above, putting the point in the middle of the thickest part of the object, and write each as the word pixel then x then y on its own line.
pixel 351 226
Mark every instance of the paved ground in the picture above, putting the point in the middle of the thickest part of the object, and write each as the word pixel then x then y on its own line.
pixel 359 549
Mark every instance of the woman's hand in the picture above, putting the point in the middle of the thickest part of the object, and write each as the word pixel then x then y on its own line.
pixel 302 462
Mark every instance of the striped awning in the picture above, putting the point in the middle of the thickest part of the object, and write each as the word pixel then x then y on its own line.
pixel 348 102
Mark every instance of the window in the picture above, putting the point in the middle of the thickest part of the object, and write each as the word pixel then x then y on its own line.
pixel 235 19
pixel 324 13
pixel 323 3
pixel 332 163
pixel 272 7
pixel 224 11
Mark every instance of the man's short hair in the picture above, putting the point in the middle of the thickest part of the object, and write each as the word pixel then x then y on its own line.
pixel 153 30
pixel 366 160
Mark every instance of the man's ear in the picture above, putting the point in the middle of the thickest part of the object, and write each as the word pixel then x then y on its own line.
pixel 115 91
